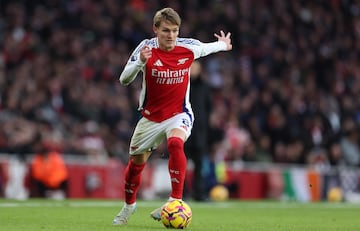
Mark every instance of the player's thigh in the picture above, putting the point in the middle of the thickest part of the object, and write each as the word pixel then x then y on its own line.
pixel 147 136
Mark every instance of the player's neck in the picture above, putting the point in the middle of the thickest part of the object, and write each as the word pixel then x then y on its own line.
pixel 166 49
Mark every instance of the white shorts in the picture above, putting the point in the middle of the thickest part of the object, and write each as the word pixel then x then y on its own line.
pixel 148 135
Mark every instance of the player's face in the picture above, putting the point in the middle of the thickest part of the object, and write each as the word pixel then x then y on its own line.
pixel 167 34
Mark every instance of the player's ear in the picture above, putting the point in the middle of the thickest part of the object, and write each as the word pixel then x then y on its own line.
pixel 155 29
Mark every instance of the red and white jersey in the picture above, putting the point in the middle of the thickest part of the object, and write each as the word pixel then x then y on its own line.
pixel 166 85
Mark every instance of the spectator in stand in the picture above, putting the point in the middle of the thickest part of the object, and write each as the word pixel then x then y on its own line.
pixel 19 135
pixel 92 144
pixel 335 153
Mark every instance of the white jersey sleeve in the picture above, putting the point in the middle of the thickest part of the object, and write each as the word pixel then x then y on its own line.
pixel 133 66
pixel 201 49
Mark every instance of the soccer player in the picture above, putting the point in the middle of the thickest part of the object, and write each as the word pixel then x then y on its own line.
pixel 165 61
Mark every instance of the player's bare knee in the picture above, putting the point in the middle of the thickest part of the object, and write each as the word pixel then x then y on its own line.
pixel 140 159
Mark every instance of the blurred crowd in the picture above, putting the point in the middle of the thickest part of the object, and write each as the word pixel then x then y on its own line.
pixel 288 92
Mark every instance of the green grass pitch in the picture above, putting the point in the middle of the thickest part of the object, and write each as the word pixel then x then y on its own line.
pixel 85 215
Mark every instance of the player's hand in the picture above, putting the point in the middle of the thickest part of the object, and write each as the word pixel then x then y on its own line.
pixel 145 54
pixel 225 38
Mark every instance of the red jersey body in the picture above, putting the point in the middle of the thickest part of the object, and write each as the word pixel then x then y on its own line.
pixel 167 83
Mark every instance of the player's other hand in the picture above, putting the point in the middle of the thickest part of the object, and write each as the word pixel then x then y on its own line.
pixel 225 38
pixel 145 54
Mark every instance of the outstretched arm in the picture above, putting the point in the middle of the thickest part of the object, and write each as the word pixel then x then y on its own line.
pixel 225 38
pixel 202 49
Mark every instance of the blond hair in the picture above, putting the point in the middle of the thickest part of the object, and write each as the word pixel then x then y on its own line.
pixel 167 14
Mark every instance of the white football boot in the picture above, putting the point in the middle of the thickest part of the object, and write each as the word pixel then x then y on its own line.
pixel 123 216
pixel 156 214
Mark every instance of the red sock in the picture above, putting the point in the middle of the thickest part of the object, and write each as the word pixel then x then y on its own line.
pixel 132 181
pixel 177 166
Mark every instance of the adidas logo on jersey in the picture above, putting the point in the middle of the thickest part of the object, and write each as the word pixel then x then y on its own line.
pixel 158 63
